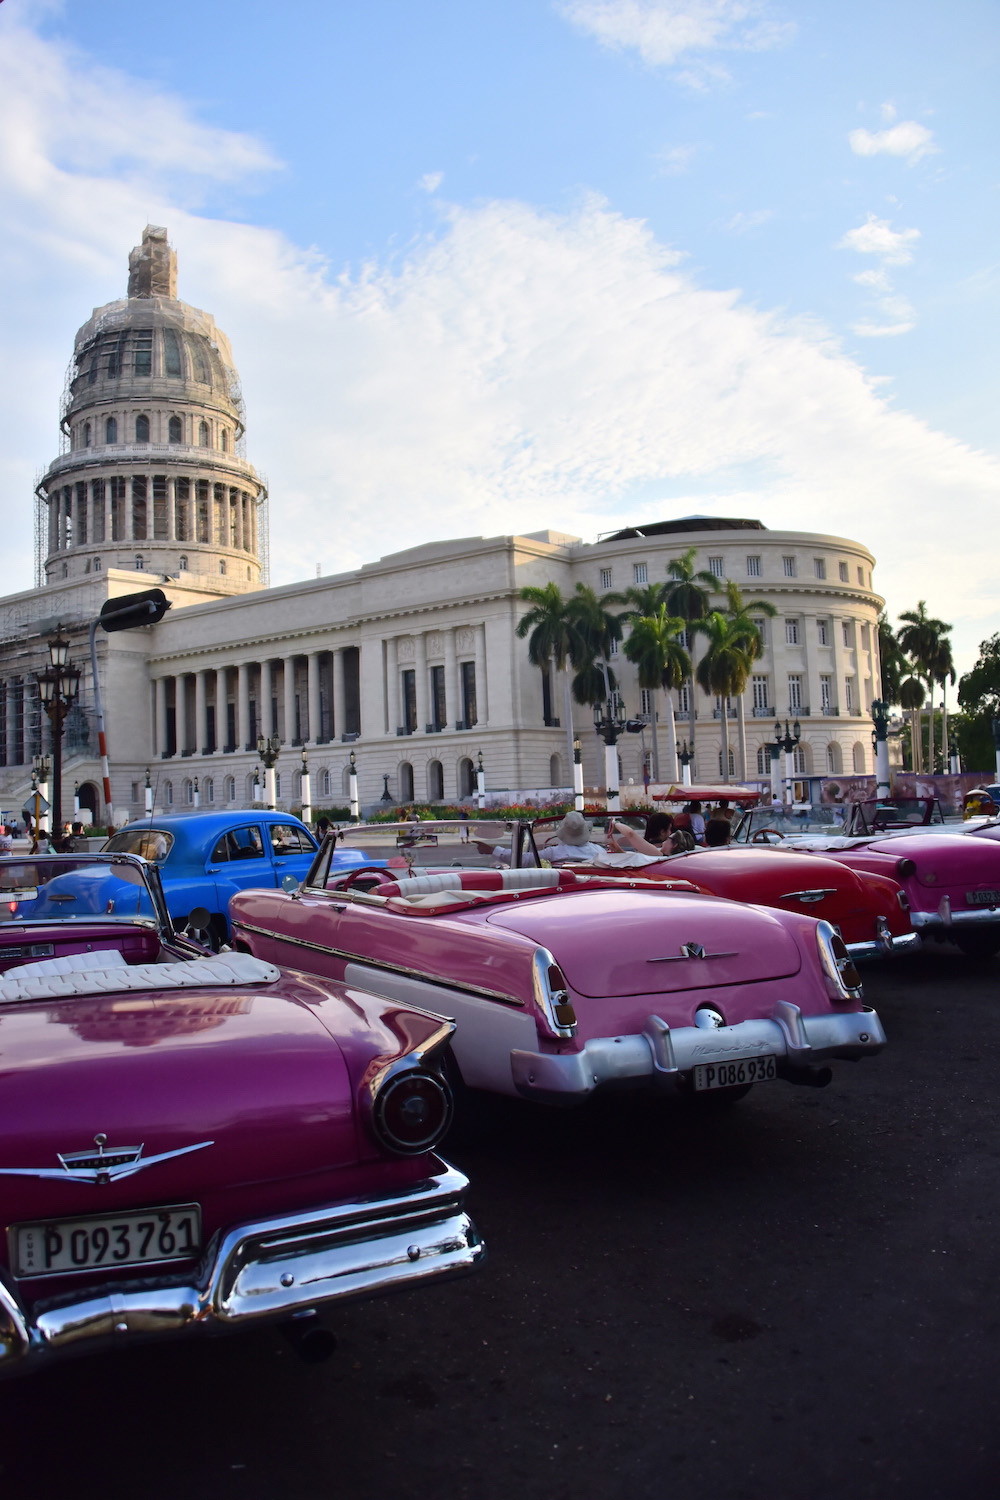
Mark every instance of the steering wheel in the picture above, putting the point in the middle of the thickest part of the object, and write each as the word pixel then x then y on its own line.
pixel 760 835
pixel 373 873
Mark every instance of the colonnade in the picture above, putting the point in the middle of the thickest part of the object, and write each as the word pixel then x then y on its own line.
pixel 152 507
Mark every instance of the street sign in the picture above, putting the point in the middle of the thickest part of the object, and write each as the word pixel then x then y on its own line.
pixel 29 810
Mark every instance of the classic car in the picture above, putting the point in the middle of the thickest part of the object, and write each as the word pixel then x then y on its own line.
pixel 194 1142
pixel 565 983
pixel 950 878
pixel 205 857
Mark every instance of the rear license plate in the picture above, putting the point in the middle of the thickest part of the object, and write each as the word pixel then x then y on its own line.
pixel 983 898
pixel 59 1245
pixel 728 1075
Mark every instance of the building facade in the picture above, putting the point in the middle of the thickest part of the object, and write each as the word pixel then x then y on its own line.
pixel 410 662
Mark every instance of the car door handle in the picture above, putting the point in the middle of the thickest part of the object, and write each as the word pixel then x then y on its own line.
pixel 213 870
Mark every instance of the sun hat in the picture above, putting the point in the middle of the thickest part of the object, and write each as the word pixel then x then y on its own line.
pixel 574 829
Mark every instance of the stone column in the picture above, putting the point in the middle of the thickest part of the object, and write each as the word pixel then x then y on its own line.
pixel 54 501
pixel 221 707
pixel 200 711
pixel 420 663
pixel 339 706
pixel 314 713
pixel 242 705
pixel 482 702
pixel 451 694
pixel 392 684
pixel 289 697
pixel 69 506
pixel 267 728
pixel 160 700
pixel 180 713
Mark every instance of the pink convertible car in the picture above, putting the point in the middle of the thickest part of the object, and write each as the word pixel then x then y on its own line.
pixel 564 984
pixel 195 1142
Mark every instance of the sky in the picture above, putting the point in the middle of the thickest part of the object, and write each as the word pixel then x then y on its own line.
pixel 569 264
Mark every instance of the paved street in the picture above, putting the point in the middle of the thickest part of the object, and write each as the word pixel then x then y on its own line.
pixel 799 1299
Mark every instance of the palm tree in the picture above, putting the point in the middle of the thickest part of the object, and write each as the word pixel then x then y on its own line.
pixel 688 595
pixel 944 671
pixel 892 661
pixel 724 668
pixel 742 613
pixel 911 700
pixel 920 638
pixel 552 642
pixel 595 629
pixel 662 663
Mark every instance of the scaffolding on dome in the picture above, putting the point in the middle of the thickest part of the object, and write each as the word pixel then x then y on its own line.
pixel 264 533
pixel 41 531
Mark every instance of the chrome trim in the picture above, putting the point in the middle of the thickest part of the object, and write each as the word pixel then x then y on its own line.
pixel 659 1056
pixel 541 962
pixel 947 917
pixel 809 897
pixel 101 1175
pixel 372 963
pixel 875 947
pixel 825 934
pixel 263 1271
pixel 692 951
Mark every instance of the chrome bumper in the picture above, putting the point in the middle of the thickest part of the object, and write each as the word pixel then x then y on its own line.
pixel 945 919
pixel 659 1057
pixel 265 1271
pixel 878 947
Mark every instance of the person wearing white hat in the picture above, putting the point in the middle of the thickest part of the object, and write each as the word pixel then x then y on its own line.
pixel 571 839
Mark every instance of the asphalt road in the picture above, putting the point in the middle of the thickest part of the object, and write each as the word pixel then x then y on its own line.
pixel 799 1299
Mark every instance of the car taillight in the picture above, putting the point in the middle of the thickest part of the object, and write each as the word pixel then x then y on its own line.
pixel 903 900
pixel 552 995
pixel 843 979
pixel 905 868
pixel 411 1111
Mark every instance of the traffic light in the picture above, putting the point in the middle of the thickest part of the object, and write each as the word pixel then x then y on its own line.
pixel 130 610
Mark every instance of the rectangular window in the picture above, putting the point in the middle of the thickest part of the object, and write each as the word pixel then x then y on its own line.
pixel 144 352
pixel 761 625
pixel 716 567
pixel 605 578
pixel 439 715
pixel 684 699
pixel 819 565
pixel 409 700
pixel 823 632
pixel 849 694
pixel 846 628
pixel 760 694
pixel 788 566
pixel 792 632
pixel 646 701
pixel 753 567
pixel 861 577
pixel 844 575
pixel 794 692
pixel 639 573
pixel 613 648
pixel 470 714
pixel 825 693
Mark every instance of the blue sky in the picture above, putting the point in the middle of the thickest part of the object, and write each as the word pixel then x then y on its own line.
pixel 500 267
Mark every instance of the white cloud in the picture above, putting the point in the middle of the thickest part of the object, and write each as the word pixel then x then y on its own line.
pixel 877 237
pixel 664 32
pixel 675 160
pixel 431 181
pixel 744 223
pixel 908 139
pixel 877 281
pixel 520 369
pixel 880 330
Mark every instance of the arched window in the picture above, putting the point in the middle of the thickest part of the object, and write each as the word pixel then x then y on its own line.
pixel 859 759
pixel 230 788
pixel 405 781
pixel 86 434
pixel 834 759
pixel 253 788
pixel 800 760
pixel 203 434
pixel 183 564
pixel 225 439
pixel 111 430
pixel 142 429
pixel 140 563
pixel 97 564
pixel 555 771
pixel 763 761
pixel 222 564
pixel 435 781
pixel 466 778
pixel 248 570
pixel 208 789
pixel 324 783
pixel 732 763
pixel 168 794
pixel 188 791
pixel 175 430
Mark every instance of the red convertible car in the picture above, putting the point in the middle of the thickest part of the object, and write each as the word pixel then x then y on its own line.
pixel 195 1142
pixel 563 984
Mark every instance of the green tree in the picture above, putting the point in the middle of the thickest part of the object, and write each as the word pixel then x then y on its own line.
pixel 596 628
pixel 892 661
pixel 662 663
pixel 689 596
pixel 920 638
pixel 979 695
pixel 552 642
pixel 742 615
pixel 911 699
pixel 724 668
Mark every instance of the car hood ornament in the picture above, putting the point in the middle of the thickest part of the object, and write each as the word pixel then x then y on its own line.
pixel 100 1167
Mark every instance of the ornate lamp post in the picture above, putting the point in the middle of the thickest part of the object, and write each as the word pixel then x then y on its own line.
pixel 386 794
pixel 269 748
pixel 306 797
pixel 76 802
pixel 788 742
pixel 480 781
pixel 609 722
pixel 352 783
pixel 685 757
pixel 58 686
pixel 256 783
pixel 197 795
pixel 148 795
pixel 880 740
pixel 42 770
pixel 577 774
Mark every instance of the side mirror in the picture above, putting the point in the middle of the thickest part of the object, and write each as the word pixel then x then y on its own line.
pixel 198 919
pixel 289 883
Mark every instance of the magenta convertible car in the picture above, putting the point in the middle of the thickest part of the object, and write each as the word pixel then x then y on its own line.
pixel 195 1142
pixel 563 984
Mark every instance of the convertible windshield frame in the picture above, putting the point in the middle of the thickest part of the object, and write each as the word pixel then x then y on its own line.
pixel 28 874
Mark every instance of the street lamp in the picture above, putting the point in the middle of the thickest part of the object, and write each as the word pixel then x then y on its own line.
pixel 58 687
pixel 480 782
pixel 306 797
pixel 197 794
pixel 352 783
pixel 148 795
pixel 386 794
pixel 788 742
pixel 880 740
pixel 577 774
pixel 685 757
pixel 609 722
pixel 269 748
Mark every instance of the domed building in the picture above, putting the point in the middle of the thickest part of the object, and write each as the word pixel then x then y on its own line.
pixel 152 477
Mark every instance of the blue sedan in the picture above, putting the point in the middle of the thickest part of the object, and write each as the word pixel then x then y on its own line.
pixel 204 858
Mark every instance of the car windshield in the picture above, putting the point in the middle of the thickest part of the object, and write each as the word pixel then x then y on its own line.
pixel 149 843
pixel 480 843
pixel 884 814
pixel 760 821
pixel 80 888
